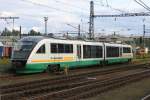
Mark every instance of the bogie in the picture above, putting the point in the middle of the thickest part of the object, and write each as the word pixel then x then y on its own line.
pixel 53 68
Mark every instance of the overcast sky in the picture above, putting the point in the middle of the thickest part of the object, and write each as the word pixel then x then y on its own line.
pixel 74 12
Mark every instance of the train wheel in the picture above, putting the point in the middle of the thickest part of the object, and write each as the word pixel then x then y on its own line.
pixel 129 61
pixel 105 62
pixel 102 64
pixel 52 68
pixel 48 70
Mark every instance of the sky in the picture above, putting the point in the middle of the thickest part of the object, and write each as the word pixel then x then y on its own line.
pixel 60 13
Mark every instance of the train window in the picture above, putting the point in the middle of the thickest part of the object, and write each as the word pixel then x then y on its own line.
pixel 41 49
pixel 86 51
pixel 79 51
pixel 71 48
pixel 54 48
pixel 99 52
pixel 88 48
pixel 61 48
pixel 68 48
pixel 112 51
pixel 92 51
pixel 126 50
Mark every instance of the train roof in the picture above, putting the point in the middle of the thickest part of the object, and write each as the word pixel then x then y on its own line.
pixel 32 38
pixel 36 39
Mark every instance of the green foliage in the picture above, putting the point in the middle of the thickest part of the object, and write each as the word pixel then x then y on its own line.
pixel 145 56
pixel 34 33
pixel 15 32
pixel 5 65
pixel 7 32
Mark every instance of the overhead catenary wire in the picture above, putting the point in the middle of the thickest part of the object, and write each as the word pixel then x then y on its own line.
pixel 145 5
pixel 107 5
pixel 71 5
pixel 142 4
pixel 47 6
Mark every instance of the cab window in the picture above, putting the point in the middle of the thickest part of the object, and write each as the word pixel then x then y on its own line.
pixel 41 49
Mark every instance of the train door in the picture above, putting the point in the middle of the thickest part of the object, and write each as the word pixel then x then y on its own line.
pixel 78 52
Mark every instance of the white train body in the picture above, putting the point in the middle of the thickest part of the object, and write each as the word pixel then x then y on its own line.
pixel 55 54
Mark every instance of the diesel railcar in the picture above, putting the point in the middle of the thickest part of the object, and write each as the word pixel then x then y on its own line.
pixel 38 54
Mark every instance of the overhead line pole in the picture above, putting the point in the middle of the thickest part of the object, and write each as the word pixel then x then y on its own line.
pixel 79 29
pixel 13 18
pixel 92 16
pixel 144 35
pixel 79 32
pixel 91 22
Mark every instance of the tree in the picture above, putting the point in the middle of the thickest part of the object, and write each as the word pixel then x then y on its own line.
pixel 6 32
pixel 15 32
pixel 34 33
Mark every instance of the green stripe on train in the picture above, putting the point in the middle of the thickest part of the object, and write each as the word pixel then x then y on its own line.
pixel 39 67
pixel 111 61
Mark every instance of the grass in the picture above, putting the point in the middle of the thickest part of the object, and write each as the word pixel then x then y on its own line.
pixel 144 58
pixel 5 65
pixel 133 91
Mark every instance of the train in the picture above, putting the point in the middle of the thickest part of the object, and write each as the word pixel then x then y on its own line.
pixel 36 54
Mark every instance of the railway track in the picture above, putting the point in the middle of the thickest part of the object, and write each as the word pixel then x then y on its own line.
pixel 83 92
pixel 64 85
pixel 147 97
pixel 3 76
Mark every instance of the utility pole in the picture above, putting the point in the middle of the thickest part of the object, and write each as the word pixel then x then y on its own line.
pixel 144 35
pixel 79 35
pixel 45 19
pixel 20 32
pixel 13 24
pixel 91 22
pixel 79 29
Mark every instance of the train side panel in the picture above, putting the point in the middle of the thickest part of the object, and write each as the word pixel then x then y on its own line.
pixel 39 62
pixel 114 53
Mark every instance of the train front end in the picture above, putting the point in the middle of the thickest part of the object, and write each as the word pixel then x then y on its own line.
pixel 21 52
